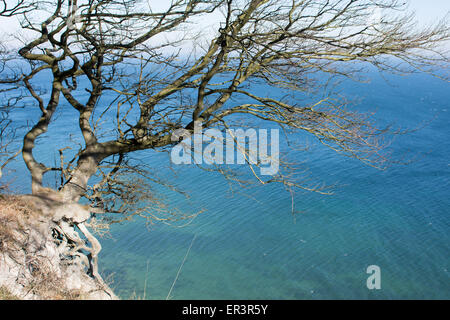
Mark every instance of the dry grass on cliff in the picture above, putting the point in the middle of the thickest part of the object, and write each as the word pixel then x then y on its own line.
pixel 16 218
pixel 13 214
pixel 6 295
pixel 48 286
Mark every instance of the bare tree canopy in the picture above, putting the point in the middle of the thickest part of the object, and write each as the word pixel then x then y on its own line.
pixel 166 76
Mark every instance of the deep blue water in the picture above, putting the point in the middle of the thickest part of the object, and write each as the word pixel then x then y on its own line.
pixel 249 246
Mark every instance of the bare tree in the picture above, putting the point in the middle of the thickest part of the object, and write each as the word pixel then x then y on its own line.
pixel 165 77
pixel 8 85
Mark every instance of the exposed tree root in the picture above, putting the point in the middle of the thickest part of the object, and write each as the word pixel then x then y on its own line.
pixel 47 252
pixel 93 257
pixel 73 245
pixel 73 240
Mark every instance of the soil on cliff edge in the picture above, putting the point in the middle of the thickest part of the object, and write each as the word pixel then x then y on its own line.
pixel 37 260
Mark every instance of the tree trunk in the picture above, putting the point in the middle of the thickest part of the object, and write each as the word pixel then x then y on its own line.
pixel 87 166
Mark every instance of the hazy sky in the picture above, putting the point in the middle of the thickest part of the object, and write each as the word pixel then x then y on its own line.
pixel 430 10
pixel 427 12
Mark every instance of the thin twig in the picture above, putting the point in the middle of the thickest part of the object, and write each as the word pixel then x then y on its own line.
pixel 145 282
pixel 181 266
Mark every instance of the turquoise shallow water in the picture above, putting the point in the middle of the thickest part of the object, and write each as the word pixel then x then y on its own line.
pixel 250 246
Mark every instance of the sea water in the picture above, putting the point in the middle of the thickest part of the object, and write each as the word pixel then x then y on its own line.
pixel 247 244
